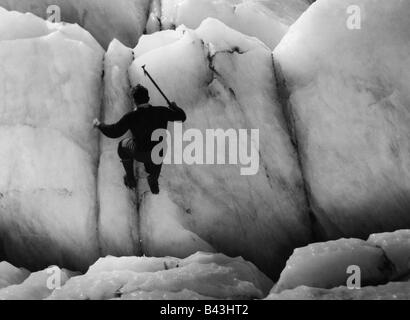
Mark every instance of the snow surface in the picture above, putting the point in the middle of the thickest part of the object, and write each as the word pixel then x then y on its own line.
pixel 349 105
pixel 199 276
pixel 227 82
pixel 266 20
pixel 106 20
pixel 48 154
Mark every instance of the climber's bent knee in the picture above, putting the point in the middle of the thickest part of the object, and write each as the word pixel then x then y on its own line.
pixel 126 149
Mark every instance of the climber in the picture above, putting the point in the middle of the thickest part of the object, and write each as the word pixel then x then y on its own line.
pixel 142 122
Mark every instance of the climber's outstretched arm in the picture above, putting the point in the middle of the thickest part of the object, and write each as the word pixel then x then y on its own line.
pixel 115 130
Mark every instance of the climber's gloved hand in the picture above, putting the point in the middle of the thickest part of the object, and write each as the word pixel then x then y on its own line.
pixel 96 123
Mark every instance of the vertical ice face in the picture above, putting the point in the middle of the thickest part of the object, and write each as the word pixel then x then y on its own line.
pixel 344 67
pixel 49 93
pixel 224 80
pixel 118 224
pixel 106 20
pixel 266 20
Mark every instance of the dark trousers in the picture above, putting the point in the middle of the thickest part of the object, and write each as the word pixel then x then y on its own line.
pixel 128 151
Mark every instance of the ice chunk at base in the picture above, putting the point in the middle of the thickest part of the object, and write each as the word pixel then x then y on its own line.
pixel 391 291
pixel 396 245
pixel 348 87
pixel 39 285
pixel 224 80
pixel 10 275
pixel 325 265
pixel 201 275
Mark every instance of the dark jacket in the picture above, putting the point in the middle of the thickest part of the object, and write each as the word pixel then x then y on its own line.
pixel 143 122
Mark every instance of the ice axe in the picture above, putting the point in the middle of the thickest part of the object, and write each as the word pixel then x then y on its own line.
pixel 155 84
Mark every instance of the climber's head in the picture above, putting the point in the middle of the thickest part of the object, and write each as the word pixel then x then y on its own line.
pixel 140 95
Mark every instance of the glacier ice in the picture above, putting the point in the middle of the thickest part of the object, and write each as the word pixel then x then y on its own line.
pixel 36 286
pixel 61 189
pixel 396 246
pixel 228 83
pixel 200 276
pixel 163 231
pixel 117 223
pixel 10 275
pixel 48 154
pixel 325 265
pixel 266 20
pixel 216 276
pixel 106 20
pixel 89 212
pixel 391 291
pixel 346 93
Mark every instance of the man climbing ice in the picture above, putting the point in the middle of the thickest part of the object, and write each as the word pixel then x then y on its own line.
pixel 142 122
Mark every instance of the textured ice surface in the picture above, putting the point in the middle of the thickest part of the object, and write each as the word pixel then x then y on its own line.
pixel 39 285
pixel 396 245
pixel 391 291
pixel 163 231
pixel 118 222
pixel 61 186
pixel 224 79
pixel 10 275
pixel 325 265
pixel 50 92
pixel 266 20
pixel 124 20
pixel 198 277
pixel 349 105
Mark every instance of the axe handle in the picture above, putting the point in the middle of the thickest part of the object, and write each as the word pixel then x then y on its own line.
pixel 156 85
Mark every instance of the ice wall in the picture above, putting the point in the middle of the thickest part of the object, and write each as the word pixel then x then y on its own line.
pixel 347 96
pixel 106 20
pixel 118 213
pixel 224 79
pixel 266 20
pixel 50 91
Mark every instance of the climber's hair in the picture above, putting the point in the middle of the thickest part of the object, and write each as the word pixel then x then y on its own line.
pixel 140 94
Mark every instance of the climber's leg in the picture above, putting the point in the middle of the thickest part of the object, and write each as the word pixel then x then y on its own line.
pixel 154 172
pixel 126 150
